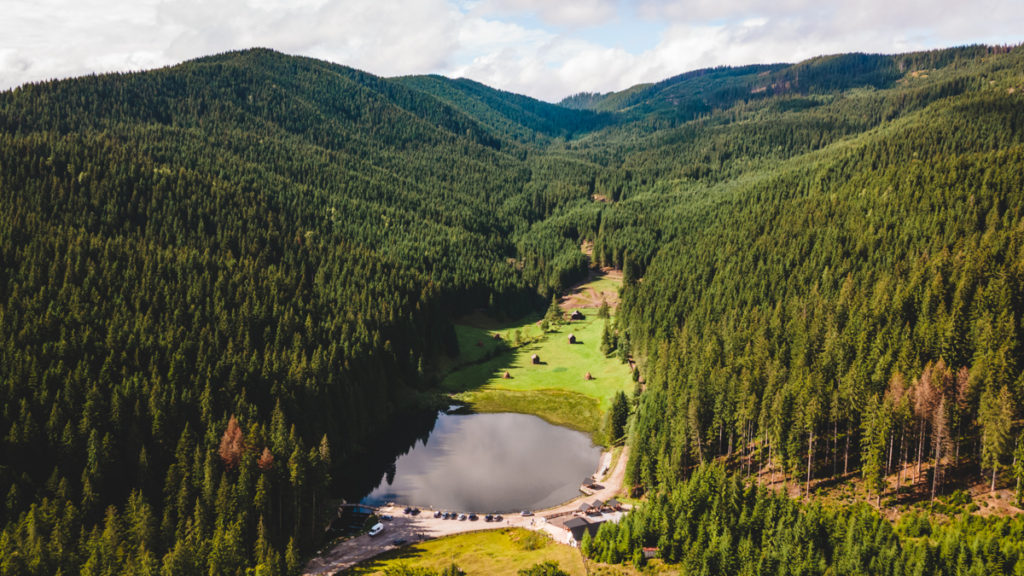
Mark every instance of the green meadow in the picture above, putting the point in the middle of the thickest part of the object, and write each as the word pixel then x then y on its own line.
pixel 556 389
pixel 491 552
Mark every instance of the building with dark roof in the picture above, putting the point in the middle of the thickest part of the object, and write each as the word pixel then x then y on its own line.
pixel 577 526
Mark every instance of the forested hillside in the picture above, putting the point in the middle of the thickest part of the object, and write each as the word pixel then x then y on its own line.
pixel 831 290
pixel 220 277
pixel 780 305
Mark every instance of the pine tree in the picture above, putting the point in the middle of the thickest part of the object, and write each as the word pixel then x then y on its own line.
pixel 875 430
pixel 291 558
pixel 554 314
pixel 995 415
pixel 232 444
pixel 1018 469
pixel 608 341
pixel 266 460
pixel 619 415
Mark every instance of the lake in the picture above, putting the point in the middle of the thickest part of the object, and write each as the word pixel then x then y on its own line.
pixel 488 463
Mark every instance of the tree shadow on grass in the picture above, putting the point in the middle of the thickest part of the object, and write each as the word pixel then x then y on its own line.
pixel 378 563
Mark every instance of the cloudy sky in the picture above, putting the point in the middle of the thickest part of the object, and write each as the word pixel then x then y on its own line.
pixel 544 48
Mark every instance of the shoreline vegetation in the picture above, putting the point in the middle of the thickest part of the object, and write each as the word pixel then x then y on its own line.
pixel 363 550
pixel 497 552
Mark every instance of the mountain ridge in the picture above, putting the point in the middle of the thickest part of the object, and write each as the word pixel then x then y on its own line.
pixel 221 277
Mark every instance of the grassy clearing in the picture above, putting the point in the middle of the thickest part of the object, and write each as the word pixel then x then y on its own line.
pixel 558 407
pixel 562 367
pixel 556 389
pixel 601 287
pixel 491 552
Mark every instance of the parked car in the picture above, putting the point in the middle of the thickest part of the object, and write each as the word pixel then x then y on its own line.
pixel 386 517
pixel 526 513
pixel 376 529
pixel 407 510
pixel 488 517
pixel 415 511
pixel 437 514
pixel 398 541
pixel 497 518
pixel 473 517
pixel 462 516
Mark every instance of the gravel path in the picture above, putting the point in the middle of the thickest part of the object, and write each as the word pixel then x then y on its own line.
pixel 424 526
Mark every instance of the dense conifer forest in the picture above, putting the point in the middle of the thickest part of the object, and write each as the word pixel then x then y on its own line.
pixel 220 277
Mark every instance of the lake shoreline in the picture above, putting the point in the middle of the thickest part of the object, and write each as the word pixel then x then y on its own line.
pixel 488 462
pixel 424 526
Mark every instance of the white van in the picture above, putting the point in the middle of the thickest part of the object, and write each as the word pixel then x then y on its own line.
pixel 376 529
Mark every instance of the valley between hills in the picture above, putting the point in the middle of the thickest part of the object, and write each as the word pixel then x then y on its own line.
pixel 237 289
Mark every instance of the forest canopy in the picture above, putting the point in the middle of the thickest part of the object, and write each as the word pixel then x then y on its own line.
pixel 220 277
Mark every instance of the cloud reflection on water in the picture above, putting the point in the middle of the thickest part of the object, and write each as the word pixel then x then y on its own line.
pixel 491 462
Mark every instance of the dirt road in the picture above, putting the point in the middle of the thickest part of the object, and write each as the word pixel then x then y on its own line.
pixel 424 526
pixel 583 296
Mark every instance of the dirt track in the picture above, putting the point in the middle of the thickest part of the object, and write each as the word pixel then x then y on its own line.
pixel 583 296
pixel 424 526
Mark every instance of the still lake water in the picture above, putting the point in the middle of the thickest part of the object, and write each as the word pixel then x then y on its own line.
pixel 489 463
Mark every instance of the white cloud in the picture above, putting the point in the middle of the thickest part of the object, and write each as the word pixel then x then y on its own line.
pixel 577 13
pixel 56 38
pixel 543 48
pixel 703 33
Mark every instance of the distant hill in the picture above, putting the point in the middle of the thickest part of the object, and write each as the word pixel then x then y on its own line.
pixel 509 115
pixel 690 95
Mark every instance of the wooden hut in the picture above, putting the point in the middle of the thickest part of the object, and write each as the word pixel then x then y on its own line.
pixel 588 376
pixel 577 315
pixel 577 526
pixel 572 338
pixel 506 375
pixel 535 359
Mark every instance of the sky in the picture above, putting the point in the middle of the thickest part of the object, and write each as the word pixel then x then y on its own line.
pixel 547 49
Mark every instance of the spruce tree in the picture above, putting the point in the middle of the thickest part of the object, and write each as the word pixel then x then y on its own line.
pixel 619 416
